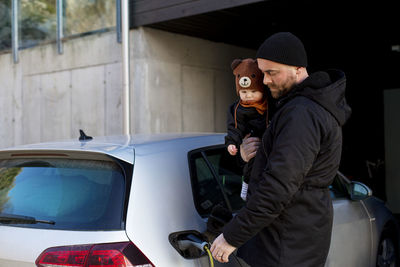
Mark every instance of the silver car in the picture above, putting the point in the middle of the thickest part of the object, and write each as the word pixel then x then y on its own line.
pixel 144 200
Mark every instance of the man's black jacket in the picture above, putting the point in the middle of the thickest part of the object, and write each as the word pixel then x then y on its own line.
pixel 287 220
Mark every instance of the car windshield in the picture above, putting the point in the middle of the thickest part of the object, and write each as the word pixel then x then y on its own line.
pixel 71 194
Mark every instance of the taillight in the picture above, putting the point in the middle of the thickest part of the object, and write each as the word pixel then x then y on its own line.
pixel 64 256
pixel 124 254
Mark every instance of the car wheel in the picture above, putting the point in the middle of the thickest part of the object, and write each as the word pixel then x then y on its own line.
pixel 387 252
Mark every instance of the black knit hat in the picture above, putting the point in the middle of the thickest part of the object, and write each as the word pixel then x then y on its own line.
pixel 285 48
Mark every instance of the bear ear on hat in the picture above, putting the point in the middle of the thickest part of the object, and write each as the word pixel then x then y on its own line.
pixel 235 63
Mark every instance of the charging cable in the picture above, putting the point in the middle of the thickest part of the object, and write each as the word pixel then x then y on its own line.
pixel 191 241
pixel 209 255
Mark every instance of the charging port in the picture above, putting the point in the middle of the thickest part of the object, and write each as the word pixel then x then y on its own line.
pixel 189 244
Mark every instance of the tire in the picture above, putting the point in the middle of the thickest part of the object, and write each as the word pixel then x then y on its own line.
pixel 387 251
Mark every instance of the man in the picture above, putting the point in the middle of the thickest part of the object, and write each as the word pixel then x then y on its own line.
pixel 287 220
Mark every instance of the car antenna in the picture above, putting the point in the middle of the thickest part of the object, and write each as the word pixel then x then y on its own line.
pixel 83 136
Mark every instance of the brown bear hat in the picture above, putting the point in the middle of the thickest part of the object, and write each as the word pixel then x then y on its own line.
pixel 247 75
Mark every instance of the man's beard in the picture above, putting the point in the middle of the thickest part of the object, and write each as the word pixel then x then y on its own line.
pixel 278 94
pixel 284 88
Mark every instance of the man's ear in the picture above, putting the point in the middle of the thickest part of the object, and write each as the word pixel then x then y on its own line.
pixel 299 70
pixel 235 63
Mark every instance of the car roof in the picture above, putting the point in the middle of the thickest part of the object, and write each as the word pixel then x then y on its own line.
pixel 119 146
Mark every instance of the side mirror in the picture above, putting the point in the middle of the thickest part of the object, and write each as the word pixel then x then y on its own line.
pixel 189 244
pixel 359 191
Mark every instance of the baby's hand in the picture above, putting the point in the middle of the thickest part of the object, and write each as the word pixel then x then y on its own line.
pixel 232 150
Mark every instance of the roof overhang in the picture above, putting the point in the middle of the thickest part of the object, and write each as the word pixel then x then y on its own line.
pixel 146 12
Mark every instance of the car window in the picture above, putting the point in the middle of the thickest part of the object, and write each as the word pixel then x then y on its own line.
pixel 75 194
pixel 206 190
pixel 212 170
pixel 338 188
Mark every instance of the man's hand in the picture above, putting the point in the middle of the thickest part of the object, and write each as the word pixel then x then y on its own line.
pixel 249 147
pixel 221 249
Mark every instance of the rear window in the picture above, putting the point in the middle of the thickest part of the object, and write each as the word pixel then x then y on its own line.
pixel 70 194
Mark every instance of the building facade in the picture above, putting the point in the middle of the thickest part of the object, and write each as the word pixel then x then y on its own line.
pixel 54 82
pixel 178 84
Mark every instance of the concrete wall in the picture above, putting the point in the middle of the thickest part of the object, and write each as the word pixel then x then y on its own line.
pixel 181 83
pixel 178 84
pixel 47 96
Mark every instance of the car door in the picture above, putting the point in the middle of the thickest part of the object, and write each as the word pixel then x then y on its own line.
pixel 216 180
pixel 351 241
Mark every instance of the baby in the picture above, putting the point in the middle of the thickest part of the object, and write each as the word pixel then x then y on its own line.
pixel 249 114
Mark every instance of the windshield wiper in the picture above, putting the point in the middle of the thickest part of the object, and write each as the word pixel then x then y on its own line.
pixel 11 219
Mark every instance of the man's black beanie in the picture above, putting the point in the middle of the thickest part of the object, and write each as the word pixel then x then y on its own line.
pixel 285 48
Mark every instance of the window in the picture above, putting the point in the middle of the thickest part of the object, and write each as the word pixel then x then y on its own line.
pixel 214 173
pixel 37 21
pixel 86 16
pixel 75 194
pixel 207 193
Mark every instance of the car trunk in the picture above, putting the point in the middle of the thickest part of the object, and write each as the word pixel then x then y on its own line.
pixel 59 198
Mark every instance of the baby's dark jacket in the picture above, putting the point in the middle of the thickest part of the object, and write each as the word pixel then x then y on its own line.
pixel 247 120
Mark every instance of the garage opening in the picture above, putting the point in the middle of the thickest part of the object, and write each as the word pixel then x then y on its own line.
pixel 336 35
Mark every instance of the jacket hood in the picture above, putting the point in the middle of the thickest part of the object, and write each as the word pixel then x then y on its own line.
pixel 327 88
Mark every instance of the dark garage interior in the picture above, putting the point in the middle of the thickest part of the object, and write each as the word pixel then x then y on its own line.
pixel 360 39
